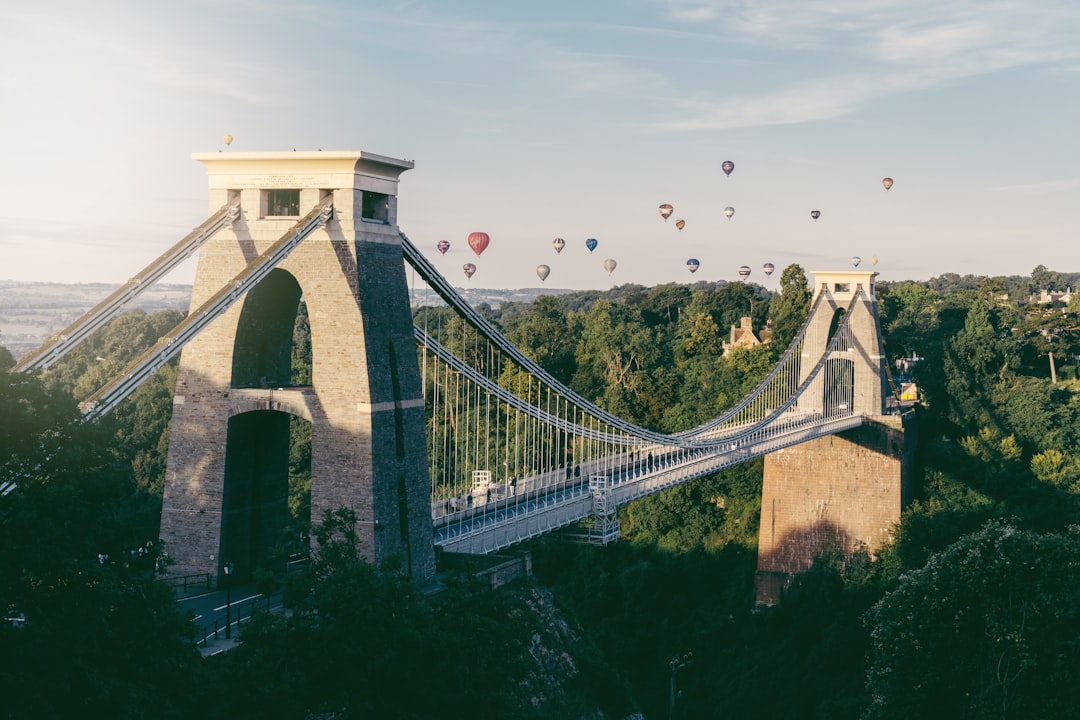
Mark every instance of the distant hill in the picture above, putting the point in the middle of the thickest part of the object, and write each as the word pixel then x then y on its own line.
pixel 31 311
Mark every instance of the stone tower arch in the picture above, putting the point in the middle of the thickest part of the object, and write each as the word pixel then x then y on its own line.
pixel 365 402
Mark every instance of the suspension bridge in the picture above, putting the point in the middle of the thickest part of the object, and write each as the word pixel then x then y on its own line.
pixel 428 423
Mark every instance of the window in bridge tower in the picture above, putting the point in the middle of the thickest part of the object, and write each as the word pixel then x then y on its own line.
pixel 375 207
pixel 281 203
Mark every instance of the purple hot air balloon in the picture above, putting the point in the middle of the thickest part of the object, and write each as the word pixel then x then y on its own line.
pixel 558 244
pixel 468 269
pixel 815 214
pixel 443 246
pixel 744 272
pixel 768 268
pixel 727 166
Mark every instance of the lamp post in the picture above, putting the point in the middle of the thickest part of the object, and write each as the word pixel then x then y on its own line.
pixel 228 568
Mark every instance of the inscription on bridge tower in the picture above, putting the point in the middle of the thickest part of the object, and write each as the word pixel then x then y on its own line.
pixel 225 494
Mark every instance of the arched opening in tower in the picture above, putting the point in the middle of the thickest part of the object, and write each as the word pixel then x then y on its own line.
pixel 271 337
pixel 266 503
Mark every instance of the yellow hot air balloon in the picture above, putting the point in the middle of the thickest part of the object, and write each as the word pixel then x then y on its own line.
pixel 228 140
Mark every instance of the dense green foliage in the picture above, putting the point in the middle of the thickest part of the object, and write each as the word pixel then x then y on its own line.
pixel 102 638
pixel 970 611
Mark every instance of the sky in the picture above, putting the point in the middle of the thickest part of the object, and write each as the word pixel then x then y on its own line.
pixel 531 121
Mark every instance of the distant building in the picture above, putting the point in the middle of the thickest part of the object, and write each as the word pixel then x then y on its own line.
pixel 1045 298
pixel 742 335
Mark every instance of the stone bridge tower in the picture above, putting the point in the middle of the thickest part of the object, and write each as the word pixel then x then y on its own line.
pixel 236 394
pixel 839 492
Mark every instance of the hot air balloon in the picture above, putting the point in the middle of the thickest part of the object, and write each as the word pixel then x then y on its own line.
pixel 873 260
pixel 768 268
pixel 469 269
pixel 543 271
pixel 729 211
pixel 815 214
pixel 680 224
pixel 727 166
pixel 443 246
pixel 666 210
pixel 559 244
pixel 887 182
pixel 228 140
pixel 478 241
pixel 609 265
pixel 744 272
pixel 855 260
pixel 692 265
pixel 591 243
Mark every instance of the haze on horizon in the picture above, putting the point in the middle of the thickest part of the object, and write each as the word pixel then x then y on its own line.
pixel 543 120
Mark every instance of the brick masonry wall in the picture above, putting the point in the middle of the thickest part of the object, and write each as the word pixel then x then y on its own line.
pixel 353 280
pixel 841 491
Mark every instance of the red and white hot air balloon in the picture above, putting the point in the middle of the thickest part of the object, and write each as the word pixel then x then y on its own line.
pixel 478 241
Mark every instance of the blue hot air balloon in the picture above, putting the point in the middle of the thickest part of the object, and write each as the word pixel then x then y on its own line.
pixel 692 265
pixel 591 243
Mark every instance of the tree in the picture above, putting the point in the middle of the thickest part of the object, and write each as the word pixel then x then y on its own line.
pixel 789 309
pixel 359 639
pixel 7 360
pixel 1044 279
pixel 102 638
pixel 619 358
pixel 543 334
pixel 988 628
pixel 908 317
pixel 976 361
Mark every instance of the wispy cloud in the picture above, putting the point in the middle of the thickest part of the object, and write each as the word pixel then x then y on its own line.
pixel 876 49
pixel 135 53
